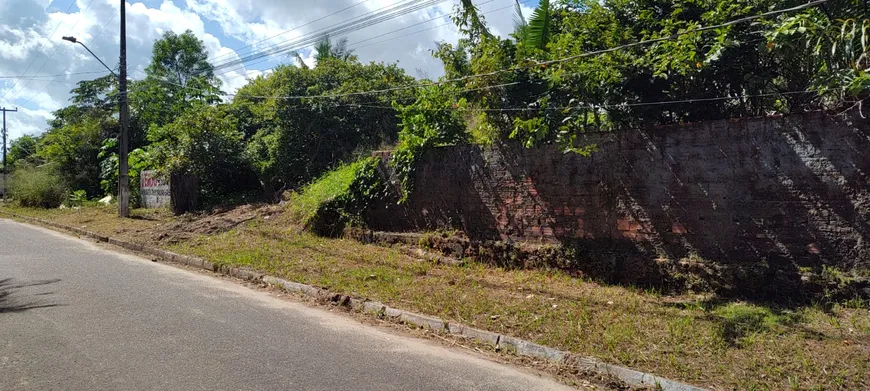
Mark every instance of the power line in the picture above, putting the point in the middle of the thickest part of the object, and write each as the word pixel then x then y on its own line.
pixel 41 46
pixel 236 51
pixel 561 60
pixel 367 20
pixel 354 45
pixel 70 63
pixel 37 77
pixel 608 106
pixel 78 19
pixel 422 22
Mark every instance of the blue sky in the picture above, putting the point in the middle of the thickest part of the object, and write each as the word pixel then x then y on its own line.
pixel 30 43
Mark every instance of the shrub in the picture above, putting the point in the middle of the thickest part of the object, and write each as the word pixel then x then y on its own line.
pixel 37 187
pixel 205 143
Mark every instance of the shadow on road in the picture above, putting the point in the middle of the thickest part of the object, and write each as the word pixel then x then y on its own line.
pixel 14 299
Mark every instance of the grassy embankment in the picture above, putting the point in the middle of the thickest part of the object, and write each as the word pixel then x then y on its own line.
pixel 724 345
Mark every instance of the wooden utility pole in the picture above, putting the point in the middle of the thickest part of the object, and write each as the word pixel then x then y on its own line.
pixel 4 110
pixel 124 117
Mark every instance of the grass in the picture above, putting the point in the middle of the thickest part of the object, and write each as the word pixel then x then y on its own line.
pixel 304 204
pixel 722 345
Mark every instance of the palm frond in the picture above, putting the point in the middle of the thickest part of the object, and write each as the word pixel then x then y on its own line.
pixel 299 59
pixel 537 33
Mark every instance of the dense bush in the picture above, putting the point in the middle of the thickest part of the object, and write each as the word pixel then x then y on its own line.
pixel 37 187
pixel 206 143
pixel 293 141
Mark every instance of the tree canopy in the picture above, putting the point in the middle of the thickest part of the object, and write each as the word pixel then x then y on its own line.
pixel 572 66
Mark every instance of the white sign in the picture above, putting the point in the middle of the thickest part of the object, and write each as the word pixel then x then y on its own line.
pixel 153 189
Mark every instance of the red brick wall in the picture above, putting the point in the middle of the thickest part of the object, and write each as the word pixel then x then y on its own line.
pixel 793 188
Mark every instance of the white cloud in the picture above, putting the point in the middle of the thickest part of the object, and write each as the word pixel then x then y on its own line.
pixel 30 33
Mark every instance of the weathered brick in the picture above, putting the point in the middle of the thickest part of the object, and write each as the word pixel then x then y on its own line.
pixel 760 186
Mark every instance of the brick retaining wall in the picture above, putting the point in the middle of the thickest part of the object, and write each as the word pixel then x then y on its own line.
pixel 793 188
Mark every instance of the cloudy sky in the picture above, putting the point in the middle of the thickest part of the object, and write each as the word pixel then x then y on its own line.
pixel 37 68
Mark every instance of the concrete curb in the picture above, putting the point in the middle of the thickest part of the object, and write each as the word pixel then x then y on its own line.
pixel 499 342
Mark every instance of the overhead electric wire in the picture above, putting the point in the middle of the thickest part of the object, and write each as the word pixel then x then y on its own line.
pixel 37 77
pixel 73 2
pixel 422 22
pixel 559 60
pixel 236 51
pixel 71 62
pixel 564 59
pixel 363 21
pixel 354 45
pixel 607 106
pixel 78 19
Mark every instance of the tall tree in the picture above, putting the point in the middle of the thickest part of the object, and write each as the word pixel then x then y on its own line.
pixel 23 149
pixel 179 76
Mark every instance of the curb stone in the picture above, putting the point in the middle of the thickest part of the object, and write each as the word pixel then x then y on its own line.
pixel 526 348
pixel 519 346
pixel 426 322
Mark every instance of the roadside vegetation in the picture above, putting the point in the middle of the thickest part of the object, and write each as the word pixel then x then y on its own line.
pixel 696 339
pixel 293 149
pixel 536 85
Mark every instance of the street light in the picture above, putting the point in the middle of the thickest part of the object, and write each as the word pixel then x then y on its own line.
pixel 74 40
pixel 124 119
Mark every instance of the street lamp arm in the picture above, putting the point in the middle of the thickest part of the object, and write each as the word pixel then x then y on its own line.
pixel 74 40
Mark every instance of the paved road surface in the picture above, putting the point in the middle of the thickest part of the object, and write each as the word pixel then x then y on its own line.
pixel 74 316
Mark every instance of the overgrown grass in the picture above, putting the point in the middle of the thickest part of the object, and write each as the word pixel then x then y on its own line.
pixel 724 346
pixel 304 204
pixel 37 187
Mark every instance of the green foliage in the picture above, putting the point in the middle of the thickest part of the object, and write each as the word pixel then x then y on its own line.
pixel 433 120
pixel 326 49
pixel 36 187
pixel 537 33
pixel 292 141
pixel 339 198
pixel 138 159
pixel 72 152
pixel 829 47
pixel 204 142
pixel 178 78
pixel 685 78
pixel 23 150
pixel 739 320
pixel 77 198
pixel 304 204
pixel 470 22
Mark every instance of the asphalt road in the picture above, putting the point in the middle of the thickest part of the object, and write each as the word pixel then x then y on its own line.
pixel 75 316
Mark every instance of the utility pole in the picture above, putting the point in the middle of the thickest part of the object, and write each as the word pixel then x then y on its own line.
pixel 124 117
pixel 4 110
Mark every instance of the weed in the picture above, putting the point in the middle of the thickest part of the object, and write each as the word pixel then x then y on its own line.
pixel 304 204
pixel 740 321
pixel 37 187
